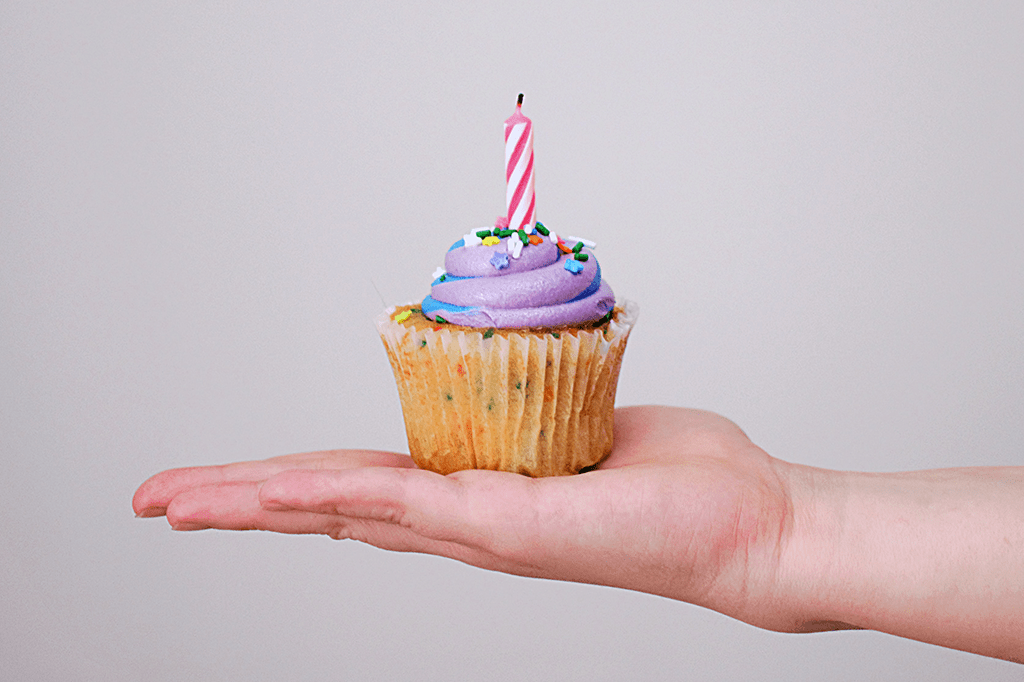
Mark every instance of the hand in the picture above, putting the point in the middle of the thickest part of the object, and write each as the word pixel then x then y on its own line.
pixel 685 506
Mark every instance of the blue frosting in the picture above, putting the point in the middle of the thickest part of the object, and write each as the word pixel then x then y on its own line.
pixel 431 304
pixel 595 284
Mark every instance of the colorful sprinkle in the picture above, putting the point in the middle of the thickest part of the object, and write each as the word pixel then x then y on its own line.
pixel 489 333
pixel 440 272
pixel 423 343
pixel 543 230
pixel 586 242
pixel 554 334
pixel 578 247
pixel 504 233
pixel 517 247
pixel 563 247
pixel 403 316
pixel 553 237
pixel 523 237
pixel 536 239
pixel 483 233
pixel 499 260
pixel 471 240
pixel 490 241
pixel 574 266
pixel 582 257
pixel 438 318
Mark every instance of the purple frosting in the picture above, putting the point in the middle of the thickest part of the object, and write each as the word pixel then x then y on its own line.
pixel 534 290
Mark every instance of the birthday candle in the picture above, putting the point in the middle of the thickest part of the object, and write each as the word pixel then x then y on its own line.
pixel 519 197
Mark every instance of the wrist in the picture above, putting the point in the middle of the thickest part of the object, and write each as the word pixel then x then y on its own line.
pixel 930 555
pixel 780 579
pixel 810 557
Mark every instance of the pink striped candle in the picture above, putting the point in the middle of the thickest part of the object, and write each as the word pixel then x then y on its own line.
pixel 519 197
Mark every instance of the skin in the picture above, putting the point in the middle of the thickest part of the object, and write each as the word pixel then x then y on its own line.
pixel 685 507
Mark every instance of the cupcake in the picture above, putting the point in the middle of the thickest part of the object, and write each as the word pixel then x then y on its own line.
pixel 512 361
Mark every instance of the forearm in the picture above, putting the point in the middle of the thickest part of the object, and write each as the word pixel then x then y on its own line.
pixel 936 556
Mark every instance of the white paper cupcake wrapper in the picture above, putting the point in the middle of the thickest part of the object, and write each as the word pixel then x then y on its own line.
pixel 529 402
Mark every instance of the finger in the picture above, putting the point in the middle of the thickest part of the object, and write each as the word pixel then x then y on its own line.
pixel 474 510
pixel 153 496
pixel 235 506
pixel 400 497
pixel 647 433
pixel 495 520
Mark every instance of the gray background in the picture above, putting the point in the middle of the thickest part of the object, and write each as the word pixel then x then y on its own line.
pixel 818 207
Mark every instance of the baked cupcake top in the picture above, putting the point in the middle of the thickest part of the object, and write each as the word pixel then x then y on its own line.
pixel 506 278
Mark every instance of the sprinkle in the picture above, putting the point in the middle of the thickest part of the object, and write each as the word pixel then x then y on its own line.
pixel 574 266
pixel 438 318
pixel 415 310
pixel 519 385
pixel 553 237
pixel 554 334
pixel 403 316
pixel 504 233
pixel 536 239
pixel 543 230
pixel 578 247
pixel 489 333
pixel 483 233
pixel 586 242
pixel 523 237
pixel 499 260
pixel 471 240
pixel 564 248
pixel 517 247
pixel 491 240
pixel 510 245
pixel 582 257
pixel 440 272
pixel 423 342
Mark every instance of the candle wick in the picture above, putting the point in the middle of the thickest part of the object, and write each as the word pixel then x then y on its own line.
pixel 519 102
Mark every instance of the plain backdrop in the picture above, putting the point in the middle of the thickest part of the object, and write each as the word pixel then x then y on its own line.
pixel 818 206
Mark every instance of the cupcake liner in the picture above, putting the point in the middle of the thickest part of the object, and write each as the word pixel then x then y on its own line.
pixel 523 401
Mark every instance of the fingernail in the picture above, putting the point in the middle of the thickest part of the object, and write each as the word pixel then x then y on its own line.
pixel 150 512
pixel 188 525
pixel 274 506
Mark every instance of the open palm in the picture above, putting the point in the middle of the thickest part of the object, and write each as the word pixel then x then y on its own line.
pixel 685 506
